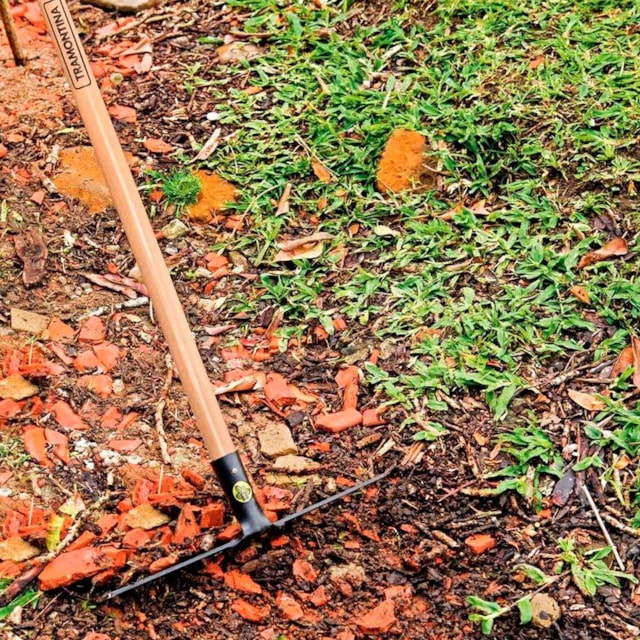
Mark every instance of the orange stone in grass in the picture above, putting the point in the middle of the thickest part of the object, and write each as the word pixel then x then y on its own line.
pixel 216 195
pixel 403 163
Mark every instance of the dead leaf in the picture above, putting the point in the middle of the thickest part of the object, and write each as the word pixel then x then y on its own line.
pixel 145 516
pixel 237 52
pixel 155 145
pixel 114 27
pixel 635 346
pixel 586 400
pixel 250 382
pixel 33 252
pixel 15 387
pixel 581 293
pixel 302 248
pixel 17 549
pixel 537 62
pixel 321 172
pixel 107 283
pixel 283 205
pixel 615 247
pixel 563 489
pixel 209 146
pixel 623 362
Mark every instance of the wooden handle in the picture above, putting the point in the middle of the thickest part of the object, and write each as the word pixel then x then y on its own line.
pixel 135 221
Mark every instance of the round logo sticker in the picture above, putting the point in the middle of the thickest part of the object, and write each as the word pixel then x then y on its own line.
pixel 242 491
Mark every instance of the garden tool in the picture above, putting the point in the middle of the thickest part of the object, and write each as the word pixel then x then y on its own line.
pixel 226 461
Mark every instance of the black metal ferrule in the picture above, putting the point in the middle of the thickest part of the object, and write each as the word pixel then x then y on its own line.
pixel 237 487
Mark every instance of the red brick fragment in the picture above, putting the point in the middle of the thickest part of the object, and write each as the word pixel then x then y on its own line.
pixel 303 571
pixel 319 597
pixel 379 620
pixel 289 606
pixel 212 515
pixel 72 566
pixel 241 582
pixel 250 612
pixel 193 478
pixel 339 421
pixel 480 542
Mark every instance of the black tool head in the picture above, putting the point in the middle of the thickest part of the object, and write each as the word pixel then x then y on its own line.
pixel 238 541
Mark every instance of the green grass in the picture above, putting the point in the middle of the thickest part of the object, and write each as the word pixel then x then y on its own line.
pixel 532 110
pixel 180 186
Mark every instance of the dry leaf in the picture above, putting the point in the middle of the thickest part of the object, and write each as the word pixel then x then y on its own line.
pixel 283 205
pixel 321 172
pixel 586 400
pixel 622 363
pixel 146 517
pixel 209 146
pixel 251 382
pixel 581 293
pixel 33 252
pixel 635 346
pixel 615 247
pixel 17 549
pixel 16 387
pixel 290 245
pixel 237 51
pixel 302 248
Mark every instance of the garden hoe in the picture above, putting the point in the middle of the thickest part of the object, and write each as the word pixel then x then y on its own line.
pixel 225 459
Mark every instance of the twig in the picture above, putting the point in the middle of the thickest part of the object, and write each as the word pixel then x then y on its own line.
pixel 162 436
pixel 12 35
pixel 603 528
pixel 621 526
pixel 129 304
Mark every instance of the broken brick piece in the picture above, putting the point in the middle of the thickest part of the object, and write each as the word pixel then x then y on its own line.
pixel 92 331
pixel 339 421
pixel 373 417
pixel 136 538
pixel 379 620
pixel 187 526
pixel 480 542
pixel 193 478
pixel 289 606
pixel 163 563
pixel 303 571
pixel 72 566
pixel 241 582
pixel 250 612
pixel 212 515
pixel 319 597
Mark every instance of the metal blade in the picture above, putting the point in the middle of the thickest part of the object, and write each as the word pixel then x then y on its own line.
pixel 237 541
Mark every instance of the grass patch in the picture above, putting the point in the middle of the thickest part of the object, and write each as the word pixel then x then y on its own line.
pixel 532 112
